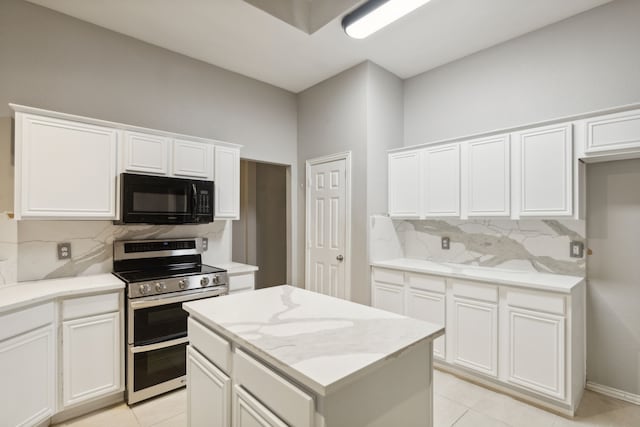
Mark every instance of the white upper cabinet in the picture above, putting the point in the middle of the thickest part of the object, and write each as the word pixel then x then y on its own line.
pixel 65 169
pixel 227 182
pixel 146 153
pixel 192 159
pixel 620 131
pixel 543 171
pixel 441 181
pixel 404 184
pixel 486 178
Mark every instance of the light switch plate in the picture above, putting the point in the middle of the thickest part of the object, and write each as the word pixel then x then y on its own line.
pixel 446 243
pixel 205 244
pixel 576 249
pixel 64 250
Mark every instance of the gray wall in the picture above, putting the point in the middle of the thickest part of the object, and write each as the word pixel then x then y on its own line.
pixel 57 62
pixel 53 61
pixel 359 110
pixel 332 118
pixel 588 62
pixel 385 127
pixel 613 271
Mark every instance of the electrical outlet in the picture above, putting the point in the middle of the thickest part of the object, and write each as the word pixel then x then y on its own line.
pixel 205 244
pixel 446 243
pixel 576 249
pixel 64 250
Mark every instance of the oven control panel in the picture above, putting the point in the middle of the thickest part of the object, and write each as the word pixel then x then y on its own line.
pixel 176 284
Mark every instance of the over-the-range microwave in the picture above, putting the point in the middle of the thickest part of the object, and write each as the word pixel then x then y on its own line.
pixel 147 199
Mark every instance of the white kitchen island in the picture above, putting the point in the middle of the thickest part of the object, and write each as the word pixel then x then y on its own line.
pixel 284 356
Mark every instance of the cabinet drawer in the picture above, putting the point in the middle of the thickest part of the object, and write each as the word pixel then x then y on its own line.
pixel 90 306
pixel 427 283
pixel 25 320
pixel 477 291
pixel 613 132
pixel 211 345
pixel 241 282
pixel 287 401
pixel 537 301
pixel 388 276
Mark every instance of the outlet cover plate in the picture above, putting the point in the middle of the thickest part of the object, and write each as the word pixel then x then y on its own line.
pixel 205 244
pixel 64 250
pixel 446 243
pixel 576 249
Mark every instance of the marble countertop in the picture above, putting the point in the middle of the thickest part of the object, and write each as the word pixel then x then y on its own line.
pixel 320 341
pixel 28 293
pixel 527 279
pixel 234 268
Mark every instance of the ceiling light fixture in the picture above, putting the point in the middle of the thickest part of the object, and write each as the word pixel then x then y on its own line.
pixel 376 14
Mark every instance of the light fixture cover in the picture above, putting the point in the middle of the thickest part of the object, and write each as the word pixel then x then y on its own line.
pixel 376 14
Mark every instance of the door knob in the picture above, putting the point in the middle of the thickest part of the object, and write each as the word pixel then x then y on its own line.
pixel 339 257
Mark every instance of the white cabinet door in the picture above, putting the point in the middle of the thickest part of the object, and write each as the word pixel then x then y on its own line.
pixel 486 177
pixel 192 159
pixel 208 393
pixel 475 335
pixel 404 184
pixel 536 343
pixel 544 159
pixel 65 169
pixel 91 355
pixel 388 297
pixel 146 153
pixel 249 412
pixel 441 181
pixel 430 307
pixel 620 131
pixel 227 182
pixel 27 370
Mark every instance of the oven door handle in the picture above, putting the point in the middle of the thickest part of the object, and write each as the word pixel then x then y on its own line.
pixel 158 346
pixel 162 300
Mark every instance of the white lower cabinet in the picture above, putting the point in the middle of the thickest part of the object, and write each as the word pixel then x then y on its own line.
pixel 475 335
pixel 259 396
pixel 208 393
pixel 91 354
pixel 519 339
pixel 430 307
pixel 27 372
pixel 249 412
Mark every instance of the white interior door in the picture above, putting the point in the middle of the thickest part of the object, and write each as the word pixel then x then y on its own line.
pixel 327 227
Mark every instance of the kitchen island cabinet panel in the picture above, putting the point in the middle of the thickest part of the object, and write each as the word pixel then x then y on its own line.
pixel 295 361
pixel 208 394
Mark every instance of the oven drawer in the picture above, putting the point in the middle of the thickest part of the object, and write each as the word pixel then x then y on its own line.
pixel 74 308
pixel 211 345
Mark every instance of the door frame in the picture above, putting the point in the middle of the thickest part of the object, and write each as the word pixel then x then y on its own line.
pixel 346 156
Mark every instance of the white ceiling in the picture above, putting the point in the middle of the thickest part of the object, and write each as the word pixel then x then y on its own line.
pixel 235 35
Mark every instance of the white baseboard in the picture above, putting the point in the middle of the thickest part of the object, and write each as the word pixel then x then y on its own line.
pixel 614 392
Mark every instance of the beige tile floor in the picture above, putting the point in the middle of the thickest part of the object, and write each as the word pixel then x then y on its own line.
pixel 456 403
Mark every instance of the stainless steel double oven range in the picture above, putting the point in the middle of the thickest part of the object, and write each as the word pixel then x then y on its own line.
pixel 160 276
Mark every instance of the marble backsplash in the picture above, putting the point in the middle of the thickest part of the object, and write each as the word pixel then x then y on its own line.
pixel 529 245
pixel 34 254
